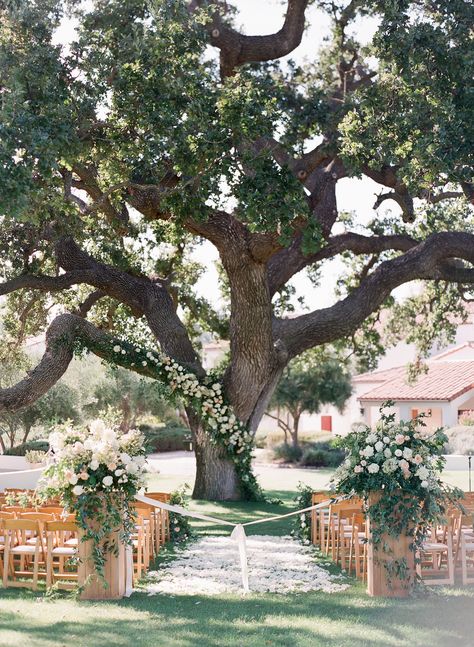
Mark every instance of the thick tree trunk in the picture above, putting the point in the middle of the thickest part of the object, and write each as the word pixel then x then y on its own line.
pixel 216 478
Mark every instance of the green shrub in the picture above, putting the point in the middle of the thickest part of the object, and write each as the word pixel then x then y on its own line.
pixel 323 454
pixel 33 445
pixel 170 438
pixel 277 437
pixel 287 453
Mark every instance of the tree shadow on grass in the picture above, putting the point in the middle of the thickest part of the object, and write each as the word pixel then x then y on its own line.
pixel 303 620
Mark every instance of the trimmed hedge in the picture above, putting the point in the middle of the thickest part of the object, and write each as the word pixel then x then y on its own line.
pixel 322 455
pixel 171 438
pixel 33 445
pixel 316 454
pixel 288 453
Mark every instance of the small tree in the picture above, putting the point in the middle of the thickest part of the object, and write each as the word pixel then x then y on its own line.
pixel 132 396
pixel 309 381
pixel 58 405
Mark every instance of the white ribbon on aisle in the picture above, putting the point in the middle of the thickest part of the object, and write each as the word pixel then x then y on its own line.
pixel 238 533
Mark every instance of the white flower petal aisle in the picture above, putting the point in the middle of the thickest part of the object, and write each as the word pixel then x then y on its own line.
pixel 210 566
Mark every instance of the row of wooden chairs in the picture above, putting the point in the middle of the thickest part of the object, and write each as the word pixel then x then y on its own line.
pixel 40 542
pixel 339 529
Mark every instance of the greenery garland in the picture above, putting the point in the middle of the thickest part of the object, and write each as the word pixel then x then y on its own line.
pixel 401 463
pixel 205 395
pixel 301 526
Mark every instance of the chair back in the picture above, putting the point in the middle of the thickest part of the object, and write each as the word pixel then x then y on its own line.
pixel 163 497
pixel 36 516
pixel 61 526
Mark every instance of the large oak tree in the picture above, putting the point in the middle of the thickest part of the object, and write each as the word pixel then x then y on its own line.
pixel 123 149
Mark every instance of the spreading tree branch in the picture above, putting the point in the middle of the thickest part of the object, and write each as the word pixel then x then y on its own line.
pixel 237 49
pixel 439 257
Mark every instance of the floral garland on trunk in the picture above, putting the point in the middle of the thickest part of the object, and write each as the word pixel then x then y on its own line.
pixel 401 463
pixel 204 395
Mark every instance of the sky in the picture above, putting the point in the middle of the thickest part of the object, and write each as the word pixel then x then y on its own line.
pixel 357 195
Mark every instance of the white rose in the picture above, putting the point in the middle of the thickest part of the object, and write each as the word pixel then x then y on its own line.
pixel 407 453
pixel 97 427
pixel 132 468
pixel 424 484
pixel 73 479
pixel 144 363
pixel 358 469
pixel 371 438
pixel 107 481
pixel 368 451
pixel 398 452
pixel 94 465
pixel 386 440
pixel 387 453
pixel 373 468
pixel 422 472
pixel 77 490
pixel 117 349
pixel 379 446
pixel 118 472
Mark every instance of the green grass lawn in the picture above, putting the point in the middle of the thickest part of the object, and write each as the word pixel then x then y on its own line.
pixel 350 618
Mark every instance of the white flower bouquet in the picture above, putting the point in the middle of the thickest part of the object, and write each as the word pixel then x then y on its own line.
pixel 93 459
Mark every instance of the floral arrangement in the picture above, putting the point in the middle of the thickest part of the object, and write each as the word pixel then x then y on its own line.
pixel 301 527
pixel 467 418
pixel 96 472
pixel 402 462
pixel 205 395
pixel 180 528
pixel 35 457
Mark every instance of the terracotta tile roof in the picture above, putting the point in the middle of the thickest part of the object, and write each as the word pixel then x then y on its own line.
pixel 380 376
pixel 443 381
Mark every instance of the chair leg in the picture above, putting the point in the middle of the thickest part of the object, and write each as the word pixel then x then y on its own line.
pixel 6 560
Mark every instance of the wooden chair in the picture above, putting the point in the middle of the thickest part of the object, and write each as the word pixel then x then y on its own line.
pixel 358 547
pixel 58 553
pixel 338 522
pixel 17 534
pixel 317 518
pixel 162 516
pixel 436 558
pixel 146 520
pixel 138 545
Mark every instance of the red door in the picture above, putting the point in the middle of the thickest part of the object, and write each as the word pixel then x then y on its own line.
pixel 326 423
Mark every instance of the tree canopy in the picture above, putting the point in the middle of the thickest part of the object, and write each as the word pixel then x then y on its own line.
pixel 160 125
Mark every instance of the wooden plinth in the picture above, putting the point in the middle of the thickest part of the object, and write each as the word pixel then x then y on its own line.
pixel 114 572
pixel 381 582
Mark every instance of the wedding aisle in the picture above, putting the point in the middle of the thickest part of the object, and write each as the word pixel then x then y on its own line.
pixel 210 566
